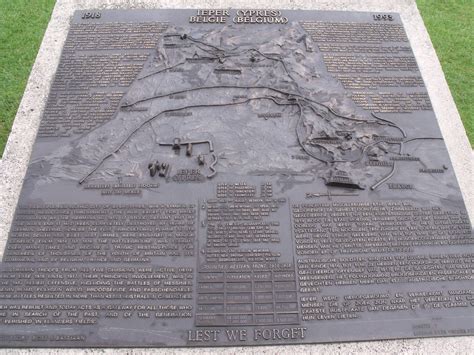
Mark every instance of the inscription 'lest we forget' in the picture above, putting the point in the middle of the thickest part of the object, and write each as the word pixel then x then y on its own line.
pixel 242 335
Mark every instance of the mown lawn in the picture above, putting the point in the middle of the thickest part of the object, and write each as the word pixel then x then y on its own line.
pixel 22 26
pixel 450 24
pixel 23 22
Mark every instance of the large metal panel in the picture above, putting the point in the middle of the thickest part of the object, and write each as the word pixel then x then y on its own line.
pixel 236 177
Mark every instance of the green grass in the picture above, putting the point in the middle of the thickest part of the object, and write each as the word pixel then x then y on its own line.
pixel 450 24
pixel 22 25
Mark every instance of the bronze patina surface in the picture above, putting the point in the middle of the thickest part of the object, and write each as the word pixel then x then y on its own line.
pixel 236 177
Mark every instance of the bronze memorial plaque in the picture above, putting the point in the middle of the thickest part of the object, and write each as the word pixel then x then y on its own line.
pixel 236 177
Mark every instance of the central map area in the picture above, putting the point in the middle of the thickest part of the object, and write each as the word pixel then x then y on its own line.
pixel 242 105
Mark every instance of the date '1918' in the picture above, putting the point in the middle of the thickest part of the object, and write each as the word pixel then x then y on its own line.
pixel 91 15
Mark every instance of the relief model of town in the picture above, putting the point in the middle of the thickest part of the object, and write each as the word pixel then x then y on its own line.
pixel 236 177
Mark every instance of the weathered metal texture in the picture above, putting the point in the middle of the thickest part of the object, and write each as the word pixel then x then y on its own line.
pixel 271 177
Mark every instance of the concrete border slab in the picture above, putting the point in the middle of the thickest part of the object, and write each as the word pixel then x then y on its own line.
pixel 18 149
